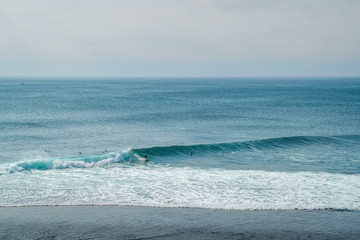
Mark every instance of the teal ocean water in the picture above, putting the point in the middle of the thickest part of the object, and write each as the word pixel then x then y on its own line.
pixel 210 142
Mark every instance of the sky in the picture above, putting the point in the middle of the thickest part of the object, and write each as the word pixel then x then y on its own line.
pixel 195 38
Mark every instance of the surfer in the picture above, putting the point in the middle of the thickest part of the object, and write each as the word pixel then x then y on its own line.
pixel 145 157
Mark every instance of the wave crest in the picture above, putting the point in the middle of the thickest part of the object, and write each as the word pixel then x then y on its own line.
pixel 132 155
pixel 100 160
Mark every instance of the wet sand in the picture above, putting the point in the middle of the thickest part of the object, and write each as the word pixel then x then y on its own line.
pixel 121 222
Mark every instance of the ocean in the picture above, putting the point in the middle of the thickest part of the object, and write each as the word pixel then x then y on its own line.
pixel 211 143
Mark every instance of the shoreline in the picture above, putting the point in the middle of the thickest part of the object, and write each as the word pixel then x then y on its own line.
pixel 175 207
pixel 134 222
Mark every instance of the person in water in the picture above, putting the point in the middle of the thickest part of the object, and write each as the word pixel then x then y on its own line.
pixel 145 157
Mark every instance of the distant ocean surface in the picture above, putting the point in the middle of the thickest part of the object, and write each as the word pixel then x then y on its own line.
pixel 240 144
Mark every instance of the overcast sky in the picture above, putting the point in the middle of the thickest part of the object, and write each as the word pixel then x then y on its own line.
pixel 179 38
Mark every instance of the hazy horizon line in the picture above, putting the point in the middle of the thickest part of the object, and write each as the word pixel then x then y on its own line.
pixel 173 76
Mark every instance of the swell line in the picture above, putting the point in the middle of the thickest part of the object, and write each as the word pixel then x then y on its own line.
pixel 180 151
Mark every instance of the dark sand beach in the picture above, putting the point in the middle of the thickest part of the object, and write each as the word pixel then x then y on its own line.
pixel 121 222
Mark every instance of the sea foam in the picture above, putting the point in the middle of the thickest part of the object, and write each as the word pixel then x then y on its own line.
pixel 153 185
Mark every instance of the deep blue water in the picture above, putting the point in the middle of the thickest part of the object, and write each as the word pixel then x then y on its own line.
pixel 214 143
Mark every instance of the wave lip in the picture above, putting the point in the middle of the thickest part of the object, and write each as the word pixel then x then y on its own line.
pixel 255 145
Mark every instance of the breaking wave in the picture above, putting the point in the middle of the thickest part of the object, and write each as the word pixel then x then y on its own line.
pixel 180 151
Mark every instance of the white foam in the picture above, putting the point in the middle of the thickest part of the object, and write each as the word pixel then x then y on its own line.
pixel 63 163
pixel 146 185
pixel 59 164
